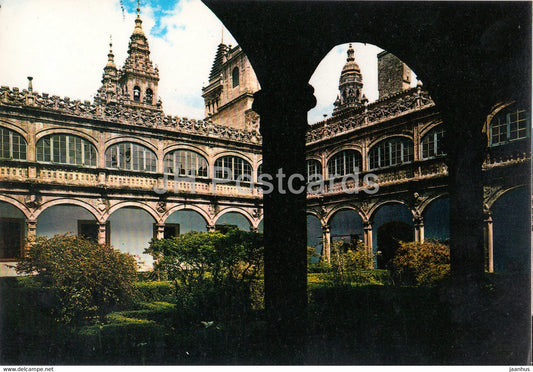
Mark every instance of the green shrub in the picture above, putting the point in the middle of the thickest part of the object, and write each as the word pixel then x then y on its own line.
pixel 215 274
pixel 154 291
pixel 350 263
pixel 88 279
pixel 420 263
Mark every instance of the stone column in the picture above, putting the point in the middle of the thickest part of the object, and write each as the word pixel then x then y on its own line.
pixel 367 239
pixel 31 234
pixel 160 231
pixel 466 146
pixel 102 233
pixel 489 247
pixel 326 244
pixel 419 229
pixel 283 107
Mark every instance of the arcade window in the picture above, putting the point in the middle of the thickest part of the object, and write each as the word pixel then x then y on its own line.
pixel 186 163
pixel 12 145
pixel 130 156
pixel 66 149
pixel 510 124
pixel 343 163
pixel 390 152
pixel 432 143
pixel 233 168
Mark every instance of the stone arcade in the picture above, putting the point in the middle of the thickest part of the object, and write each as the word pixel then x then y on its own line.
pixel 96 168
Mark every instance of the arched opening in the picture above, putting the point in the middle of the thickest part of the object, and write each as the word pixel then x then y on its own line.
pixel 233 168
pixel 232 219
pixel 183 221
pixel 130 156
pixel 392 223
pixel 149 96
pixel 235 77
pixel 343 163
pixel 12 145
pixel 66 149
pixel 367 73
pixel 12 231
pixel 314 236
pixel 431 144
pixel 136 93
pixel 346 225
pixel 390 152
pixel 186 163
pixel 67 218
pixel 131 229
pixel 511 216
pixel 437 220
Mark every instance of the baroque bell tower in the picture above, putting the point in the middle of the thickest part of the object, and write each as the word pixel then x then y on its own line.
pixel 350 85
pixel 135 84
pixel 138 78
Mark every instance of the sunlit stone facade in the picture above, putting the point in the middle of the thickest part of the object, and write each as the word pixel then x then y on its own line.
pixel 122 172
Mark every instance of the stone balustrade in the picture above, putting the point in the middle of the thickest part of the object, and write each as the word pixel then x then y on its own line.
pixel 123 115
pixel 398 104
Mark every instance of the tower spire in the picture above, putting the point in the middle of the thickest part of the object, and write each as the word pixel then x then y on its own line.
pixel 350 84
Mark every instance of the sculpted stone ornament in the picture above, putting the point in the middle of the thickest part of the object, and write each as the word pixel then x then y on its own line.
pixel 161 206
pixel 102 204
pixel 32 201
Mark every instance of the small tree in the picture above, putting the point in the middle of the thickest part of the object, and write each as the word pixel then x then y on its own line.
pixel 89 279
pixel 420 263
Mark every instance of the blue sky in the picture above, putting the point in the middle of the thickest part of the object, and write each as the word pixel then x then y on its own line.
pixel 63 44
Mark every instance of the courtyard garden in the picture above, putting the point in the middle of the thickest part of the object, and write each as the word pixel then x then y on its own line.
pixel 203 304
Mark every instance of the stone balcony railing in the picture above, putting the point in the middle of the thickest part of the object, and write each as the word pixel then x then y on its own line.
pixel 370 114
pixel 66 176
pixel 124 115
pixel 72 176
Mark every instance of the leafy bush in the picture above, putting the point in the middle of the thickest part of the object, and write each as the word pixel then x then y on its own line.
pixel 420 263
pixel 350 263
pixel 154 291
pixel 88 279
pixel 213 272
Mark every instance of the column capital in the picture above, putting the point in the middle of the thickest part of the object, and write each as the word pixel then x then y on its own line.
pixel 210 228
pixel 418 221
pixel 326 228
pixel 287 97
pixel 367 225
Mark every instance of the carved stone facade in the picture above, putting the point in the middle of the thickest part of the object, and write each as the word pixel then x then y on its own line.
pixel 120 165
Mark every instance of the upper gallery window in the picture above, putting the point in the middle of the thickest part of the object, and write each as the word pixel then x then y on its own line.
pixel 235 76
pixel 343 163
pixel 314 169
pixel 130 156
pixel 233 168
pixel 390 152
pixel 432 143
pixel 12 145
pixel 66 149
pixel 509 124
pixel 186 163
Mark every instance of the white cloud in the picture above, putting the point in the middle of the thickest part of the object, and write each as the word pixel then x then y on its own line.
pixel 63 44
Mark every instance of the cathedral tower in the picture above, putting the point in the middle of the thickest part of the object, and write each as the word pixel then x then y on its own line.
pixel 135 85
pixel 350 85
